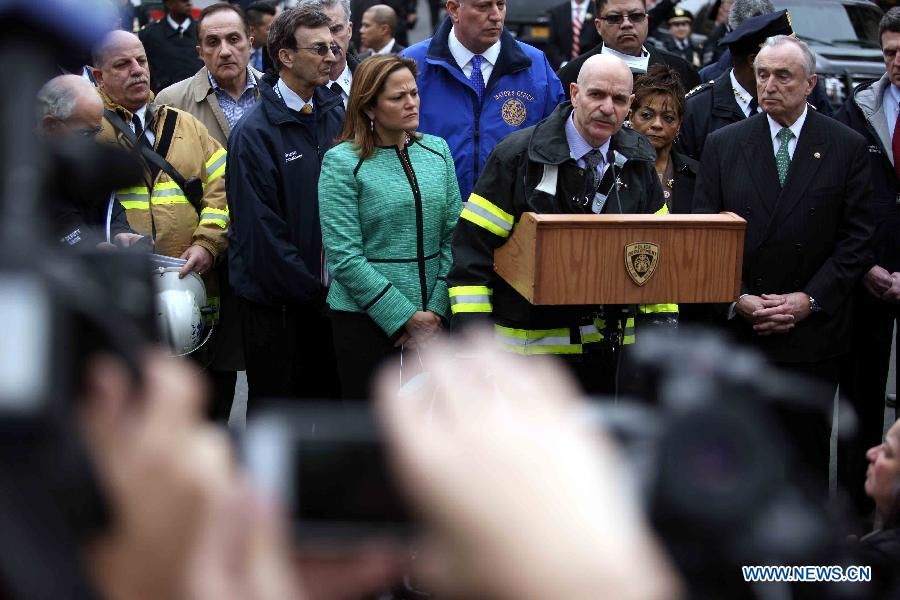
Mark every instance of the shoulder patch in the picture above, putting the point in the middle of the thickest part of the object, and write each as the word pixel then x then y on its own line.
pixel 699 88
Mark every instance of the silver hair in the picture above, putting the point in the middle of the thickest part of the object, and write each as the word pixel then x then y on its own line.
pixel 57 99
pixel 741 10
pixel 323 5
pixel 809 59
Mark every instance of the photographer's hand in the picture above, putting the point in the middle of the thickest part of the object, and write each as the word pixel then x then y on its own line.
pixel 199 260
pixel 529 500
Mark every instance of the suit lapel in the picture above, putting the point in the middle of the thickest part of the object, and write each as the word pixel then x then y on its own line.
pixel 804 166
pixel 760 160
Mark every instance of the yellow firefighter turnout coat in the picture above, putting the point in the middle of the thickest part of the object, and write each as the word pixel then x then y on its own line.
pixel 158 207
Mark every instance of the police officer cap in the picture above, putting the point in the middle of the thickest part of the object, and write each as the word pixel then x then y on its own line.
pixel 679 15
pixel 751 34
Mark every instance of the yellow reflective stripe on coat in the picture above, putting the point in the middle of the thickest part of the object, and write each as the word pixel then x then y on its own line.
pixel 133 197
pixel 628 333
pixel 536 341
pixel 488 216
pixel 164 193
pixel 215 166
pixel 216 216
pixel 648 309
pixel 664 210
pixel 470 299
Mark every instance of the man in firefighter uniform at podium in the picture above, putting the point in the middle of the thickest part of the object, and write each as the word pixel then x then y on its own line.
pixel 579 160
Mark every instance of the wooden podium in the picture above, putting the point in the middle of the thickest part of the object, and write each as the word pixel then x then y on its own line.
pixel 624 259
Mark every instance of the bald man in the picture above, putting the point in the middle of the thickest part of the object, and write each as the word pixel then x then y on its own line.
pixel 70 106
pixel 377 31
pixel 579 160
pixel 182 208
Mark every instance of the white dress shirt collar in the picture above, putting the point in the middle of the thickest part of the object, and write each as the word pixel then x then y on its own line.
pixel 741 95
pixel 344 81
pixel 291 98
pixel 463 56
pixel 184 24
pixel 580 9
pixel 387 47
pixel 796 128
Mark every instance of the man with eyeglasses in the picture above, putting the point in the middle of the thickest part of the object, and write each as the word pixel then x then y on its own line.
pixel 70 106
pixel 623 26
pixel 275 256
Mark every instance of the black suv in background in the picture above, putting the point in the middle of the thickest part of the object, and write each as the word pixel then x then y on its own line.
pixel 843 34
pixel 527 20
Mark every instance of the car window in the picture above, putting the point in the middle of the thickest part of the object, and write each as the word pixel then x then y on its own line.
pixel 837 24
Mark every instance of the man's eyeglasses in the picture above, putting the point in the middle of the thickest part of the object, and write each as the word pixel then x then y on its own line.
pixel 617 19
pixel 322 49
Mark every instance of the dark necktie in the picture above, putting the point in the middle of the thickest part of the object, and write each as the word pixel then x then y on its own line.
pixel 592 160
pixel 139 130
pixel 754 105
pixel 895 144
pixel 336 88
pixel 477 78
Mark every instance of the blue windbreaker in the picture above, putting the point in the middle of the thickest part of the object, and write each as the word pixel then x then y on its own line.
pixel 522 90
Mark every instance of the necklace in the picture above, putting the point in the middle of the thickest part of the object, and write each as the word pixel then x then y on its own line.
pixel 667 183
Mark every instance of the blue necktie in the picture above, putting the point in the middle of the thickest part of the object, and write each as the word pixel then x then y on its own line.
pixel 477 79
pixel 257 59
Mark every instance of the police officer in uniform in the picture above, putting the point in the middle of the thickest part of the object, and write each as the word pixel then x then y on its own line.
pixel 731 97
pixel 681 23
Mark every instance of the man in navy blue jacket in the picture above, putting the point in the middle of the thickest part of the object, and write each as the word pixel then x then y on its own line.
pixel 275 250
pixel 513 86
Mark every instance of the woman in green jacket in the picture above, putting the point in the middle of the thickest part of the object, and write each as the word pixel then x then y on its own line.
pixel 388 203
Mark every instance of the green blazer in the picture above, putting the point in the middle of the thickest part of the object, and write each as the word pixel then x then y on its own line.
pixel 387 223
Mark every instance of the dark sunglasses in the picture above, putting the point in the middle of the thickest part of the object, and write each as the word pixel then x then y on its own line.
pixel 617 19
pixel 322 49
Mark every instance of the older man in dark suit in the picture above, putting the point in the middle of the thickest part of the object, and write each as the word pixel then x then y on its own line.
pixel 801 180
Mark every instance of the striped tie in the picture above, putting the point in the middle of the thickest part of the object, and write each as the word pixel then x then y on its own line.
pixel 576 33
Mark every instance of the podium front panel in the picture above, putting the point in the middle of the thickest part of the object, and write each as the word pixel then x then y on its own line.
pixel 624 259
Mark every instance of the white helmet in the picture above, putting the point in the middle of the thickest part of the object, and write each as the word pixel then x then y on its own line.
pixel 178 310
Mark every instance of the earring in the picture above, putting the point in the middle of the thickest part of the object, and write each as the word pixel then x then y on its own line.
pixel 371 124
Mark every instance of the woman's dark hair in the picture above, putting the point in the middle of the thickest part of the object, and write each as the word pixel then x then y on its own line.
pixel 659 79
pixel 368 84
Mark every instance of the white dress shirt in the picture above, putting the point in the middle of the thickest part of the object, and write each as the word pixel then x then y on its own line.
pixel 141 114
pixel 741 95
pixel 387 47
pixel 291 98
pixel 463 57
pixel 344 81
pixel 180 28
pixel 775 127
pixel 579 10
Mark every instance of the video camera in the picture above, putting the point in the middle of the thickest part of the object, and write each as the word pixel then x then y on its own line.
pixel 60 308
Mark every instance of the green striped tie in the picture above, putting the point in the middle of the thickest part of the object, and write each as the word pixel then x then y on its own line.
pixel 783 157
